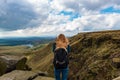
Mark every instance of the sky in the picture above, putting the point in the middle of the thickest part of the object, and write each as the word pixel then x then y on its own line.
pixel 24 18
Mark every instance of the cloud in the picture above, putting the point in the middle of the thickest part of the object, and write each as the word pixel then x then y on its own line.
pixel 51 17
pixel 83 7
pixel 15 14
pixel 21 14
pixel 96 22
pixel 84 23
pixel 56 19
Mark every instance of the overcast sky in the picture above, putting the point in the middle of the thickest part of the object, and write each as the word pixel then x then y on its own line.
pixel 52 17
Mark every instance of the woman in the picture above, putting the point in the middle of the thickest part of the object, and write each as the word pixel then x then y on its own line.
pixel 61 43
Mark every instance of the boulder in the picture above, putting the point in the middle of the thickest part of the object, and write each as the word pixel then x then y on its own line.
pixel 9 63
pixel 23 75
pixel 18 75
pixel 3 67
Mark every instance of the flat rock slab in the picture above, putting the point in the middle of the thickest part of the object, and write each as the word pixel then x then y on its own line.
pixel 24 75
pixel 18 75
pixel 118 78
pixel 11 60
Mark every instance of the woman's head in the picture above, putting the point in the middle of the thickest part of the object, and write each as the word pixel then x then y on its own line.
pixel 62 41
pixel 61 37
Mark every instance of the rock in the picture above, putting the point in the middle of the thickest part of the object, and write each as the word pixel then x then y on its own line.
pixel 116 62
pixel 118 78
pixel 102 39
pixel 40 73
pixel 10 63
pixel 43 78
pixel 2 67
pixel 23 75
pixel 87 42
pixel 18 75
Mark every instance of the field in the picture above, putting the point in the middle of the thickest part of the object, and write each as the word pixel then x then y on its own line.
pixel 21 45
pixel 14 50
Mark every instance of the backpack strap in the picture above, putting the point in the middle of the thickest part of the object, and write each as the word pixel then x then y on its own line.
pixel 67 49
pixel 63 49
pixel 54 47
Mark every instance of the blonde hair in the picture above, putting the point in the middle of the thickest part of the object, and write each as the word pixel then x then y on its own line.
pixel 61 41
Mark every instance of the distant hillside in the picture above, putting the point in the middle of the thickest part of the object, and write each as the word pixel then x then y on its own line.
pixel 94 56
pixel 24 41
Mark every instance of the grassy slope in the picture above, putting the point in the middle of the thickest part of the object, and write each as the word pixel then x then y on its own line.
pixel 41 59
pixel 14 50
pixel 92 56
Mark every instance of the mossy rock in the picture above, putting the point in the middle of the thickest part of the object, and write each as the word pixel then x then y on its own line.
pixel 3 68
pixel 21 65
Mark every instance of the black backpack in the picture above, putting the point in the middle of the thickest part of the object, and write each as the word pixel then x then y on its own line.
pixel 60 58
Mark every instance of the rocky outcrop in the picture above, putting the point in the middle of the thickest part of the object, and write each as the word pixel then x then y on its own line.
pixel 95 56
pixel 116 60
pixel 118 78
pixel 24 75
pixel 9 63
pixel 16 68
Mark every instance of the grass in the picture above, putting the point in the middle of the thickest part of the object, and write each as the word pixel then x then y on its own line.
pixel 14 50
pixel 41 59
pixel 92 53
